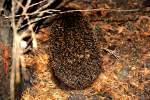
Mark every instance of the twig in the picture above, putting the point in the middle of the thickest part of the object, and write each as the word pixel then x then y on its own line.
pixel 35 4
pixel 102 9
pixel 86 10
pixel 71 11
pixel 112 53
pixel 45 6
pixel 50 11
pixel 64 3
pixel 36 20
pixel 19 3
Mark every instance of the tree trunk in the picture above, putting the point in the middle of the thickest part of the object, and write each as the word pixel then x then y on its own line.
pixel 5 54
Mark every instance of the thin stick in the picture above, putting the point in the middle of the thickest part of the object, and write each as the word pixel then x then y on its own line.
pixel 45 6
pixel 86 10
pixel 112 53
pixel 71 11
pixel 12 77
pixel 37 3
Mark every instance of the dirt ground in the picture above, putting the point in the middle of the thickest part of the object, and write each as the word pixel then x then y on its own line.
pixel 122 38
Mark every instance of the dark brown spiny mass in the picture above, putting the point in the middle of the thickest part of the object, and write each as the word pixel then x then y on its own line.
pixel 75 57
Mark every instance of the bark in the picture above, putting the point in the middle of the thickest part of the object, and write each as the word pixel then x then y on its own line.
pixel 6 44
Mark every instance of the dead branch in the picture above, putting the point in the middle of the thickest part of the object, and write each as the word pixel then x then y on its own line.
pixel 45 6
pixel 17 50
pixel 70 11
pixel 35 4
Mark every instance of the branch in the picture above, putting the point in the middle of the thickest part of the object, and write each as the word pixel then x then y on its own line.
pixel 71 11
pixel 13 68
pixel 45 6
pixel 35 4
pixel 86 10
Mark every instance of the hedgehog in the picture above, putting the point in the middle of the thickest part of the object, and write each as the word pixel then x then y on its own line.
pixel 75 57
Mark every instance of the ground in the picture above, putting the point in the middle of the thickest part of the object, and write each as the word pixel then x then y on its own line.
pixel 122 39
